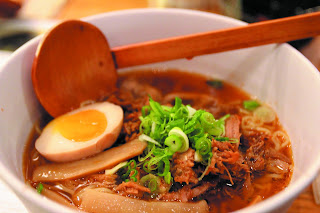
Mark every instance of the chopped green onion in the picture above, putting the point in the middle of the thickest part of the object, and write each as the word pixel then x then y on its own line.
pixel 194 120
pixel 203 145
pixel 204 172
pixel 224 117
pixel 153 163
pixel 230 140
pixel 131 172
pixel 145 126
pixel 197 157
pixel 144 137
pixel 217 84
pixel 184 138
pixel 134 179
pixel 166 108
pixel 168 178
pixel 196 133
pixel 177 105
pixel 115 169
pixel 174 143
pixel 151 181
pixel 174 129
pixel 191 111
pixel 250 105
pixel 233 140
pixel 164 166
pixel 265 114
pixel 145 111
pixel 218 129
pixel 153 185
pixel 39 188
pixel 207 118
pixel 221 139
pixel 135 173
pixel 156 107
pixel 145 167
pixel 176 123
pixel 148 155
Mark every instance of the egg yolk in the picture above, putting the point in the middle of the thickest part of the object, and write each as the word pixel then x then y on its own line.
pixel 81 126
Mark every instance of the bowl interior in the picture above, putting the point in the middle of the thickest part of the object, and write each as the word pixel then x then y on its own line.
pixel 276 74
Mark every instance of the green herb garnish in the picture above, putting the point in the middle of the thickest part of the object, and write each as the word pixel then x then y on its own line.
pixel 230 140
pixel 131 172
pixel 39 188
pixel 151 181
pixel 250 105
pixel 173 129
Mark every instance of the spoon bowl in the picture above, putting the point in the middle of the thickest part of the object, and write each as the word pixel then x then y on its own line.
pixel 73 64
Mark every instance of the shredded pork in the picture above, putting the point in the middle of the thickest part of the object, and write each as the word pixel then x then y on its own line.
pixel 182 170
pixel 132 189
pixel 186 193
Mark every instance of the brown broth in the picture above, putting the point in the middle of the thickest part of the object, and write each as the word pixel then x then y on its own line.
pixel 176 81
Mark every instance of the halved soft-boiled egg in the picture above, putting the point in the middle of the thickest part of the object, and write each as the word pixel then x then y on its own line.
pixel 80 133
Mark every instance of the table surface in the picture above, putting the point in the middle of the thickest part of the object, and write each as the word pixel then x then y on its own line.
pixel 81 8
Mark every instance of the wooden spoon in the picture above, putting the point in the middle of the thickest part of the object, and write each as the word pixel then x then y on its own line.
pixel 73 62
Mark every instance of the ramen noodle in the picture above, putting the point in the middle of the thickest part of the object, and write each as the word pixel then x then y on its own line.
pixel 186 142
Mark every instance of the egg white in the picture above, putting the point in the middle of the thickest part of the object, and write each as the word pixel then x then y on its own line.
pixel 54 147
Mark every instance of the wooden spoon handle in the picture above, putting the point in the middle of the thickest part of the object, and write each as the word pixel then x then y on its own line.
pixel 261 33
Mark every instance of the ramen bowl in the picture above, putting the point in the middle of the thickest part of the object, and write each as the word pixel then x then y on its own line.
pixel 276 74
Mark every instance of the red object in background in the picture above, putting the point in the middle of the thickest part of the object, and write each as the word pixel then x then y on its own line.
pixel 8 8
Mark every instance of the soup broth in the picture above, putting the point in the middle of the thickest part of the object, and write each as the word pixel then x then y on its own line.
pixel 249 162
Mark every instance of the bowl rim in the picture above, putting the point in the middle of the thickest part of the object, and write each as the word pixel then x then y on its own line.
pixel 22 189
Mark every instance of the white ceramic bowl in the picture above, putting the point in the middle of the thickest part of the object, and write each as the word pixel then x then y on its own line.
pixel 277 74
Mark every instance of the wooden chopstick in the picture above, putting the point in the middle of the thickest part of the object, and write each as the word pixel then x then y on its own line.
pixel 256 34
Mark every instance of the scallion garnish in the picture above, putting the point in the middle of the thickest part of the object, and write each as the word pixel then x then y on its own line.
pixel 39 188
pixel 151 181
pixel 176 131
pixel 174 143
pixel 173 129
pixel 131 172
pixel 168 178
pixel 144 137
pixel 115 169
pixel 224 139
pixel 250 105
pixel 221 139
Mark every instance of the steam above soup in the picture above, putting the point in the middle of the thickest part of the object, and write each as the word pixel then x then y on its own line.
pixel 182 142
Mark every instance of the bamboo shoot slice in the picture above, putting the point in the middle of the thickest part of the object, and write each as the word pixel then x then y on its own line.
pixel 80 168
pixel 98 201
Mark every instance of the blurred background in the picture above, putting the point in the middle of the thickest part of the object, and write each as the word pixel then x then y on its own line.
pixel 21 20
